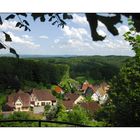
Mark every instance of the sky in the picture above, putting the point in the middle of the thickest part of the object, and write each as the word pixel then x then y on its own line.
pixel 73 39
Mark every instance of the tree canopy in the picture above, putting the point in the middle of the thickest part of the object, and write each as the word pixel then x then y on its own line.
pixel 123 108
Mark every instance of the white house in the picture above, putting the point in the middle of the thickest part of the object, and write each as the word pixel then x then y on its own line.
pixel 42 98
pixel 100 95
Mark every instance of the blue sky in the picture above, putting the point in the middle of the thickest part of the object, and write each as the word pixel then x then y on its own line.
pixel 73 39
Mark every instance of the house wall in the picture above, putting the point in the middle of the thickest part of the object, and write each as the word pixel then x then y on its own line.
pixel 103 99
pixel 22 109
pixel 79 99
pixel 18 105
pixel 40 103
pixel 95 97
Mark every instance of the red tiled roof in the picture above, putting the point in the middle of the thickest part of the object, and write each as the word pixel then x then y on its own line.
pixel 69 100
pixel 71 96
pixel 58 89
pixel 68 104
pixel 24 97
pixel 43 95
pixel 91 106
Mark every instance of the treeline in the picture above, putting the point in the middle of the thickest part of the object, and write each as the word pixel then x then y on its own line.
pixel 14 72
pixel 90 67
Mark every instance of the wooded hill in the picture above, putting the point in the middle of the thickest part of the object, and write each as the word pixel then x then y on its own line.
pixel 48 71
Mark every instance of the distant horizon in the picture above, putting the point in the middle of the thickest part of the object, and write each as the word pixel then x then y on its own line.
pixel 65 55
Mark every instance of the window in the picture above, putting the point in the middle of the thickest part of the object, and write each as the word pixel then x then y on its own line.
pixel 42 103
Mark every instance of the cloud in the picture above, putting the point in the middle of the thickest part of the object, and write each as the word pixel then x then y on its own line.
pixel 74 32
pixel 78 41
pixel 122 29
pixel 43 37
pixel 9 25
pixel 27 37
pixel 79 19
pixel 56 41
pixel 25 40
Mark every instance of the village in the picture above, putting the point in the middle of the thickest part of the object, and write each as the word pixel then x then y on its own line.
pixel 90 97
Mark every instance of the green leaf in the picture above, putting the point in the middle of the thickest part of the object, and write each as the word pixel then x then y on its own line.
pixel 14 52
pixel 7 37
pixel 1 21
pixel 138 38
pixel 10 17
pixel 2 46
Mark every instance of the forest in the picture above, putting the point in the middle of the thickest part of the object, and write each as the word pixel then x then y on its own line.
pixel 19 73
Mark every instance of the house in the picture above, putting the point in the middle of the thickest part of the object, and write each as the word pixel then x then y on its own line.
pixel 18 101
pixel 72 99
pixel 105 86
pixel 101 93
pixel 91 90
pixel 42 97
pixel 90 106
pixel 85 86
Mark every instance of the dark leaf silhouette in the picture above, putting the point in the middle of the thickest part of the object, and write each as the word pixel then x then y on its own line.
pixel 22 14
pixel 54 22
pixel 37 15
pixel 2 46
pixel 26 28
pixel 1 21
pixel 18 24
pixel 50 14
pixel 7 37
pixel 25 21
pixel 42 19
pixel 14 52
pixel 67 16
pixel 92 19
pixel 10 17
pixel 110 22
pixel 51 18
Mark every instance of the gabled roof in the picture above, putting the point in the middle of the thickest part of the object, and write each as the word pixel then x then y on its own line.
pixel 43 95
pixel 68 104
pixel 85 85
pixel 69 100
pixel 71 96
pixel 101 91
pixel 24 97
pixel 91 106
